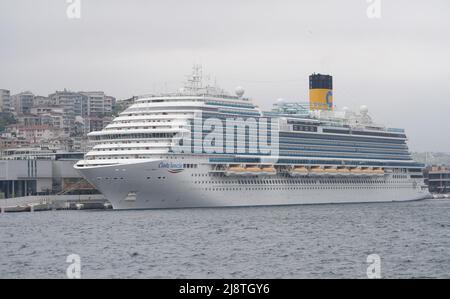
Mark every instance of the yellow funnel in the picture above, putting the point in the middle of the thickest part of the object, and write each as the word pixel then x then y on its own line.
pixel 321 92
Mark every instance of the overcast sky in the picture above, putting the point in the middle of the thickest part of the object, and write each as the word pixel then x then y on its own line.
pixel 398 65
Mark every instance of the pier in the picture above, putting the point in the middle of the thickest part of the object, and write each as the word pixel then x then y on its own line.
pixel 54 202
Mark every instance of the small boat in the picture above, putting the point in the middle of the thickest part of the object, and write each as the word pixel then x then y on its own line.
pixel 35 207
pixel 17 209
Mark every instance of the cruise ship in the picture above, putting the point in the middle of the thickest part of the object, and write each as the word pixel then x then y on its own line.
pixel 204 147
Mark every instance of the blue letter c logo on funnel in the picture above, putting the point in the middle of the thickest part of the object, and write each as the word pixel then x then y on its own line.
pixel 328 100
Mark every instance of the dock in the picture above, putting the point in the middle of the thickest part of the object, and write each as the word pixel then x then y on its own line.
pixel 54 202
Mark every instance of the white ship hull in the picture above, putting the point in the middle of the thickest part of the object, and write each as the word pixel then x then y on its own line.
pixel 148 186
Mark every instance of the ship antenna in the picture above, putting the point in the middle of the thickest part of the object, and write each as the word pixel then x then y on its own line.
pixel 194 81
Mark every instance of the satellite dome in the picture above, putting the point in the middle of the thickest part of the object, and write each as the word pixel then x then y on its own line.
pixel 281 101
pixel 363 109
pixel 345 109
pixel 239 91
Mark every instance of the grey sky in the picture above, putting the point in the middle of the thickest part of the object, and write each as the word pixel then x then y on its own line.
pixel 398 65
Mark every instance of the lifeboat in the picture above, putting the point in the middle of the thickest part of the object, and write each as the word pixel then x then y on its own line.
pixel 367 170
pixel 268 170
pixel 317 170
pixel 299 171
pixel 330 170
pixel 343 171
pixel 356 171
pixel 378 170
pixel 250 170
pixel 234 170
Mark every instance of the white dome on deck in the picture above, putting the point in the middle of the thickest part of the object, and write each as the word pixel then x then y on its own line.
pixel 239 91
pixel 363 109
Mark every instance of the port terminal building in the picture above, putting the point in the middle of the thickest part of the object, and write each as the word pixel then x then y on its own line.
pixel 31 171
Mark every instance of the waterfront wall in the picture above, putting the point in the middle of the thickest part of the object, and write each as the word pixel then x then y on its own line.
pixel 59 200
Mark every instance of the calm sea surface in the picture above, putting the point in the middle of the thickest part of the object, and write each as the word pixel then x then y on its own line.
pixel 322 241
